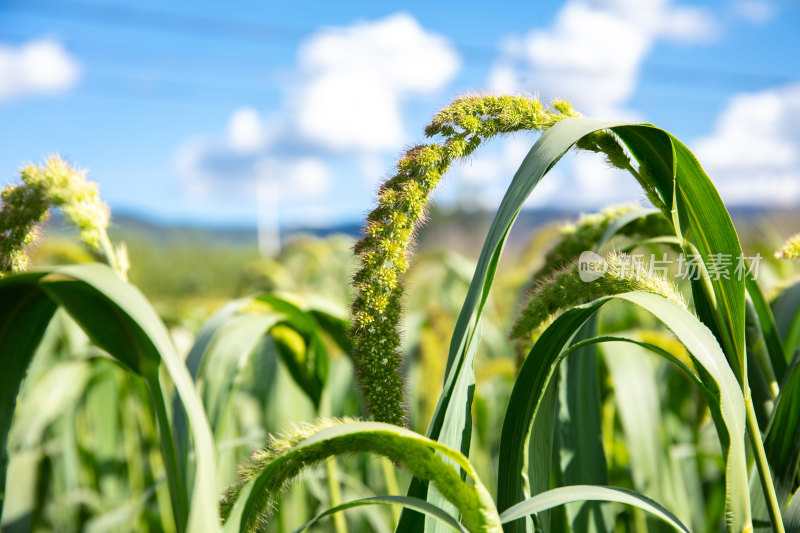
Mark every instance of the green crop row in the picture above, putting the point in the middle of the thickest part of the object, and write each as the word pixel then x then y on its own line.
pixel 676 407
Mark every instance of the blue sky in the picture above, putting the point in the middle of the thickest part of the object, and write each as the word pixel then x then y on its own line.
pixel 210 113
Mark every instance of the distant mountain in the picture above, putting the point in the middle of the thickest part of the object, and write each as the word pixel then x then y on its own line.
pixel 457 229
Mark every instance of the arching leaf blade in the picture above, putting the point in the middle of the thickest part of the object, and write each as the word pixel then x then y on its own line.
pixel 25 313
pixel 574 493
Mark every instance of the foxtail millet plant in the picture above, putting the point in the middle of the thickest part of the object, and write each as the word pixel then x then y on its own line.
pixel 790 248
pixel 402 200
pixel 586 233
pixel 284 458
pixel 26 206
pixel 100 303
pixel 565 289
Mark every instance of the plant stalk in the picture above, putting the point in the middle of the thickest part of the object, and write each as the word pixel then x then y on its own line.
pixel 390 478
pixel 335 490
pixel 111 255
pixel 169 452
pixel 764 475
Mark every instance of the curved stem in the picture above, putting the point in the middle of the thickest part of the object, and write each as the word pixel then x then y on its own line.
pixel 335 490
pixel 753 430
pixel 773 507
pixel 169 452
pixel 390 478
pixel 111 256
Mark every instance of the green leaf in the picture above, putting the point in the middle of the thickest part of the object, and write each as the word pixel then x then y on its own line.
pixel 574 493
pixel 419 454
pixel 712 232
pixel 24 315
pixel 791 520
pixel 309 369
pixel 455 401
pixel 194 361
pixel 787 319
pixel 635 377
pixel 782 435
pixel 782 440
pixel 706 366
pixel 769 329
pixel 409 503
pixel 224 360
pixel 118 318
pixel 623 220
pixel 682 184
pixel 762 380
pixel 583 460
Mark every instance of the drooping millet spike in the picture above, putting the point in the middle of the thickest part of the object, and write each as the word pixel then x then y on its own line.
pixel 790 248
pixel 390 227
pixel 586 233
pixel 564 288
pixel 273 468
pixel 23 207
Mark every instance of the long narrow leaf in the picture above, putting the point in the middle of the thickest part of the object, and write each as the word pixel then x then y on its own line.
pixel 544 154
pixel 787 319
pixel 669 164
pixel 583 460
pixel 574 493
pixel 768 327
pixel 407 502
pixel 707 366
pixel 25 311
pixel 118 318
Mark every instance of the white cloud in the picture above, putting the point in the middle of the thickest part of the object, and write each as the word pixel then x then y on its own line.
pixel 396 50
pixel 225 172
pixel 595 183
pixel 305 177
pixel 352 81
pixel 246 130
pixel 592 53
pixel 753 153
pixel 39 66
pixel 341 110
pixel 496 165
pixel 754 11
pixel 689 25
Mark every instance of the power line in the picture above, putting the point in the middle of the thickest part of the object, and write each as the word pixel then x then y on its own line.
pixel 204 26
pixel 115 50
pixel 188 23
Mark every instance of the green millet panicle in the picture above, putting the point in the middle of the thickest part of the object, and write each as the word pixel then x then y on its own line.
pixel 564 288
pixel 586 233
pixel 276 447
pixel 55 184
pixel 23 209
pixel 606 143
pixel 390 228
pixel 790 248
pixel 285 457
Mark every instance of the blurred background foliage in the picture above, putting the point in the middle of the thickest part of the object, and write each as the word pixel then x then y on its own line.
pixel 84 451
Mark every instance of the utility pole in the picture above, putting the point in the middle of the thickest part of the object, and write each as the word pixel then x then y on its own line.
pixel 267 198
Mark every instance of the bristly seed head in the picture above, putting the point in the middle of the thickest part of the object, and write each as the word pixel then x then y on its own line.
pixel 565 288
pixel 790 248
pixel 586 233
pixel 25 206
pixel 389 230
